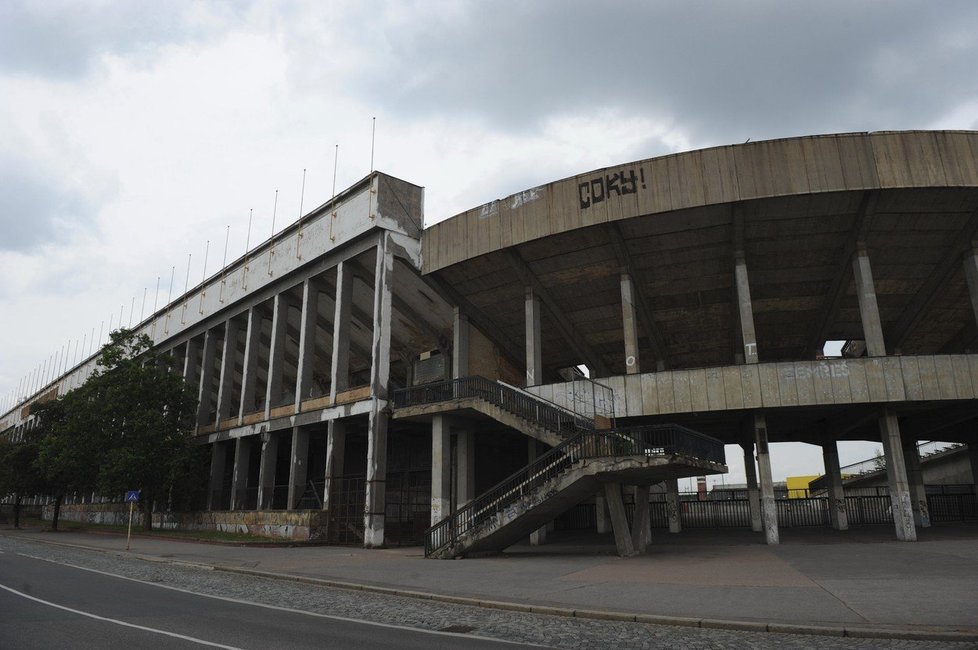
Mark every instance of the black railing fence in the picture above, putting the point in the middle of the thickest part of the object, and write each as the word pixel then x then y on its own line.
pixel 638 441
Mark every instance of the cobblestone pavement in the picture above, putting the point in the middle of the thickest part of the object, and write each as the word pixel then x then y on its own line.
pixel 553 631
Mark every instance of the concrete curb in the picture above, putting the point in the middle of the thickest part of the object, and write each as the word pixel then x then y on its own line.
pixel 591 614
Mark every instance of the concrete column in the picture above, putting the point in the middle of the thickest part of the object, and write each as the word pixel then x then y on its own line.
pixel 869 311
pixel 753 494
pixel 205 389
pixel 239 482
pixel 769 509
pixel 380 366
pixel 276 353
pixel 249 374
pixel 298 466
pixel 534 344
pixel 745 309
pixel 837 495
pixel 226 383
pixel 460 345
pixel 335 454
pixel 465 462
pixel 641 520
pixel 373 519
pixel 266 472
pixel 918 493
pixel 896 475
pixel 973 459
pixel 539 536
pixel 619 523
pixel 218 461
pixel 601 513
pixel 191 364
pixel 340 368
pixel 307 341
pixel 672 506
pixel 971 275
pixel 629 325
pixel 441 469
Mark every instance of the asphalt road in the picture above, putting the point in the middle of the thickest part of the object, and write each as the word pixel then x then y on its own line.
pixel 45 604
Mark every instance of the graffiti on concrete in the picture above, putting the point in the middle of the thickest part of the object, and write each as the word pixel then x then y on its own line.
pixel 596 190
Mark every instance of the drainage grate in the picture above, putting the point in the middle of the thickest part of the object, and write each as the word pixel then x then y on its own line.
pixel 458 629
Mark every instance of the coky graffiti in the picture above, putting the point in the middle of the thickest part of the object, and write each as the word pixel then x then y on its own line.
pixel 598 189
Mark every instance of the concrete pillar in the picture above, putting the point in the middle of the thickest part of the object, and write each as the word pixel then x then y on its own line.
pixel 769 509
pixel 218 461
pixel 373 519
pixel 335 454
pixel 915 479
pixel 837 496
pixel 266 471
pixel 601 513
pixel 226 383
pixel 460 345
pixel 465 463
pixel 971 275
pixel 745 309
pixel 539 536
pixel 298 466
pixel 276 353
pixel 380 366
pixel 869 311
pixel 206 388
pixel 753 494
pixel 896 475
pixel 239 482
pixel 629 325
pixel 672 506
pixel 340 368
pixel 619 523
pixel 441 469
pixel 641 520
pixel 191 363
pixel 307 342
pixel 249 374
pixel 973 459
pixel 534 344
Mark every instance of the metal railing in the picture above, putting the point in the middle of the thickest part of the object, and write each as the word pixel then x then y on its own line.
pixel 657 440
pixel 520 403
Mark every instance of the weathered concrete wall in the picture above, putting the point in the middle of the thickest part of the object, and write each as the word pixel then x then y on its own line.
pixel 801 383
pixel 486 360
pixel 299 525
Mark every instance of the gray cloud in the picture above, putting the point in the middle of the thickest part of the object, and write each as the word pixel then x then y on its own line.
pixel 721 71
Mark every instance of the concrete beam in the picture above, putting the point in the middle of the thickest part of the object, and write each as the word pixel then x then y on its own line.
pixel 340 365
pixel 380 366
pixel 769 510
pixel 619 523
pixel 869 312
pixel 629 325
pixel 249 376
pixel 226 382
pixel 373 518
pixel 205 392
pixel 745 309
pixel 307 340
pixel 441 468
pixel 276 353
pixel 753 494
pixel 837 496
pixel 460 345
pixel 534 343
pixel 298 466
pixel 335 456
pixel 896 475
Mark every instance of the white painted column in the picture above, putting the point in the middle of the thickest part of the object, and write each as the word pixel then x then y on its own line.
pixel 745 309
pixel 629 325
pixel 896 475
pixel 218 462
pixel 753 494
pixel 837 495
pixel 641 520
pixel 298 466
pixel 769 509
pixel 460 345
pixel 276 354
pixel 206 388
pixel 266 471
pixel 307 342
pixel 441 469
pixel 915 479
pixel 340 368
pixel 249 373
pixel 534 344
pixel 226 383
pixel 672 506
pixel 335 455
pixel 869 311
pixel 239 482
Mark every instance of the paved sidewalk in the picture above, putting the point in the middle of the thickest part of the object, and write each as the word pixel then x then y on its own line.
pixel 856 579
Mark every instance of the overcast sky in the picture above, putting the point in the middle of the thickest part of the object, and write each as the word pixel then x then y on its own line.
pixel 133 132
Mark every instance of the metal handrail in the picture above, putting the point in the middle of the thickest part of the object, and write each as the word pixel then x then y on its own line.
pixel 656 440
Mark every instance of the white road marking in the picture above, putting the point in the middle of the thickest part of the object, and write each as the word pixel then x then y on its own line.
pixel 279 608
pixel 118 622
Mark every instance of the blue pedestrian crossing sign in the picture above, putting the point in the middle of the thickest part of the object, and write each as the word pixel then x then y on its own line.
pixel 132 496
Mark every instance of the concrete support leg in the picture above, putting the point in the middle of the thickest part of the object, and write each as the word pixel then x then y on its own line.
pixel 534 347
pixel 340 368
pixel 837 497
pixel 672 506
pixel 601 513
pixel 226 382
pixel 629 324
pixel 239 484
pixel 441 469
pixel 641 520
pixel 896 474
pixel 769 510
pixel 869 312
pixel 380 366
pixel 465 464
pixel 460 345
pixel 205 393
pixel 539 536
pixel 218 460
pixel 745 309
pixel 373 520
pixel 191 362
pixel 619 523
pixel 307 342
pixel 266 472
pixel 249 375
pixel 298 466
pixel 335 454
pixel 276 354
pixel 753 494
pixel 915 479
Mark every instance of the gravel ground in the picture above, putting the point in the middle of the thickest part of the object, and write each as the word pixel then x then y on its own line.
pixel 553 631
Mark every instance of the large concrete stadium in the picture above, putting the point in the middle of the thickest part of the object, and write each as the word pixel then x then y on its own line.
pixel 362 378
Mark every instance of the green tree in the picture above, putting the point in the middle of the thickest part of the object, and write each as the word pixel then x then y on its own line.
pixel 18 473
